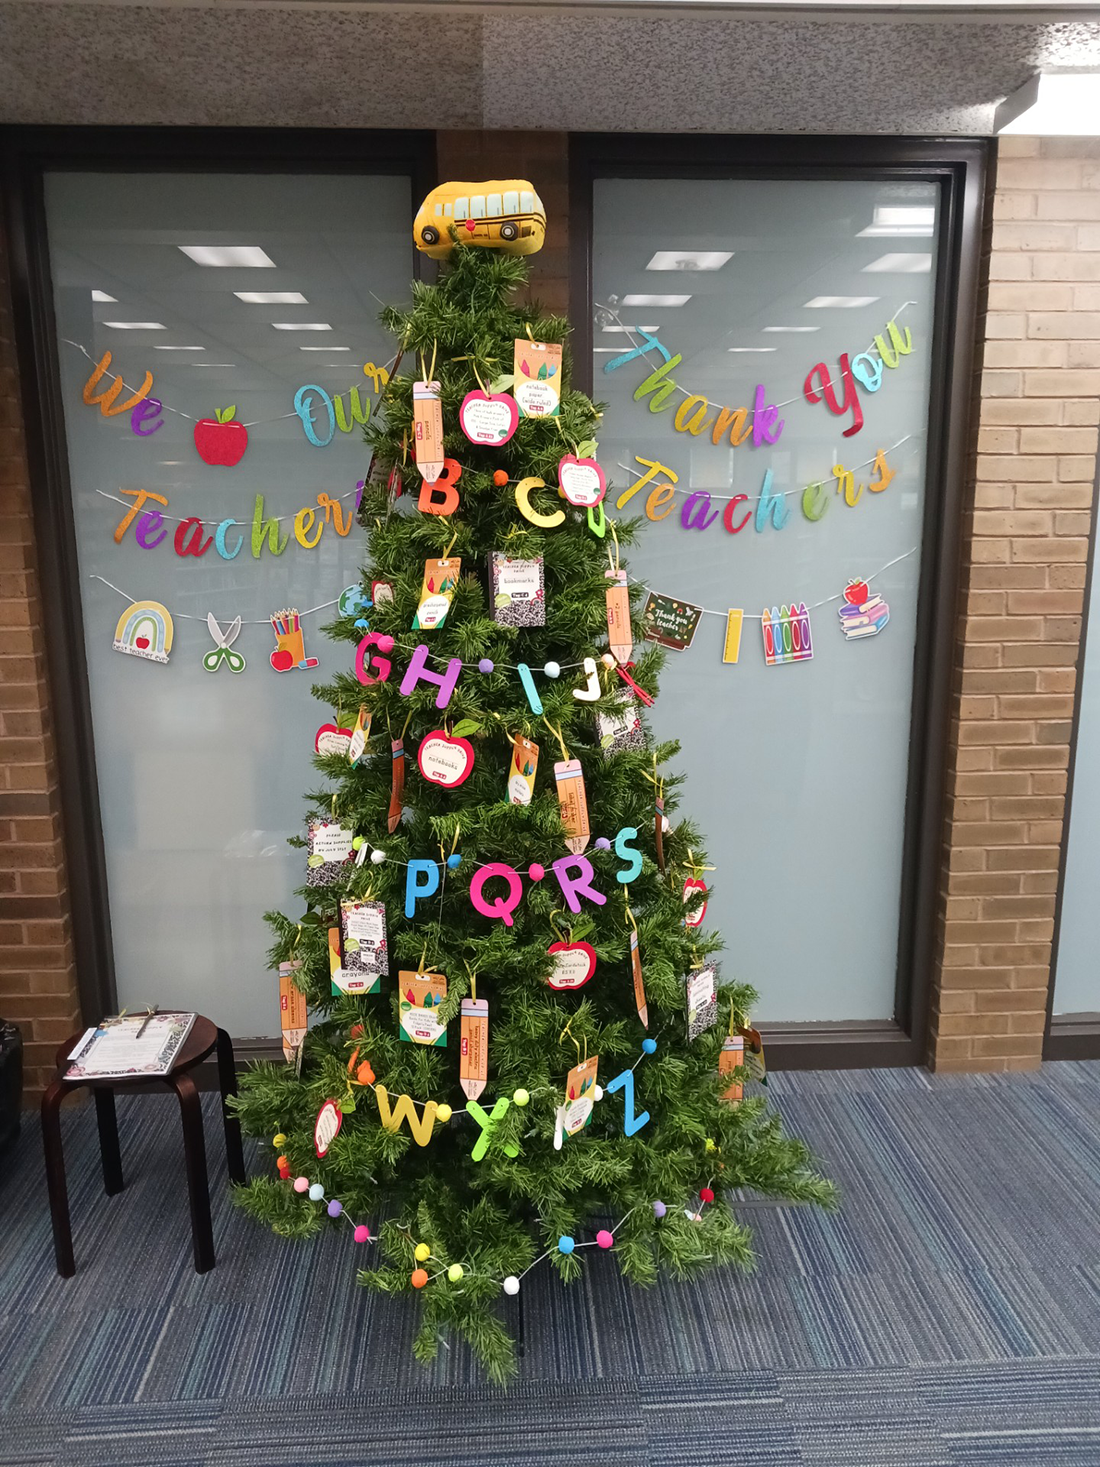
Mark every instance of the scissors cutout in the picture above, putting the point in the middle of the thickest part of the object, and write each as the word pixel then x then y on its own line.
pixel 222 653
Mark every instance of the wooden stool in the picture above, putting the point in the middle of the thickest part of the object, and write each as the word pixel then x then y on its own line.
pixel 202 1040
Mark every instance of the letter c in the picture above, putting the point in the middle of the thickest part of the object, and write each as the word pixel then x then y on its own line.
pixel 544 521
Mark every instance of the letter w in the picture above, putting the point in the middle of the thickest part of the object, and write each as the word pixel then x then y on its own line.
pixel 420 1126
pixel 106 399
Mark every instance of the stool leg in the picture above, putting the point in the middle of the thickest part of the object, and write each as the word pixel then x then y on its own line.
pixel 198 1189
pixel 55 1178
pixel 227 1079
pixel 109 1153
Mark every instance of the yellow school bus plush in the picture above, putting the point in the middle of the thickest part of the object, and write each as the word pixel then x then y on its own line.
pixel 502 213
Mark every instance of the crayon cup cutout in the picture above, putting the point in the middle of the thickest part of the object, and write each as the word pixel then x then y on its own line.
pixel 290 649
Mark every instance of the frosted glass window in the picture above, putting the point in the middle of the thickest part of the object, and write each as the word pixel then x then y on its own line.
pixel 1076 977
pixel 202 775
pixel 797 772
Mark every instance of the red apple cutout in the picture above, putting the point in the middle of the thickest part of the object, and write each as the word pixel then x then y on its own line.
pixel 488 417
pixel 691 886
pixel 219 440
pixel 445 760
pixel 582 481
pixel 857 592
pixel 574 964
pixel 142 642
pixel 332 740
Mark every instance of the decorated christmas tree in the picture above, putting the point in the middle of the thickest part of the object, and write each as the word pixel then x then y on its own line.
pixel 523 1049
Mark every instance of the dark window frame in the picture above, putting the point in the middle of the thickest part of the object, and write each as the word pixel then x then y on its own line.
pixel 26 155
pixel 959 167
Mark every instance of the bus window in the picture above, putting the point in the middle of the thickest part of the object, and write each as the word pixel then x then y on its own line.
pixel 526 202
pixel 511 202
pixel 447 210
pixel 493 206
pixel 477 207
pixel 538 205
pixel 439 211
pixel 462 208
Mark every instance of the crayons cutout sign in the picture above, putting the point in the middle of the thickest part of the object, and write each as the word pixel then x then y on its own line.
pixel 145 630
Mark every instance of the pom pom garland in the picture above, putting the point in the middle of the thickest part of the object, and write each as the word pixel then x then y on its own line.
pixel 566 1244
pixel 659 1209
pixel 552 669
pixel 520 1097
pixel 377 857
pixel 511 1284
pixel 422 1253
pixel 316 1192
pixel 443 1113
pixel 485 665
pixel 500 478
pixel 419 1278
pixel 454 862
pixel 604 1239
pixel 706 1194
pixel 301 1184
pixel 362 1233
pixel 279 1140
pixel 602 843
pixel 335 1208
pixel 455 1272
pixel 649 1045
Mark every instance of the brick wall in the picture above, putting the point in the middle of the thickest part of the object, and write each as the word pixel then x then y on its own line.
pixel 1024 564
pixel 37 972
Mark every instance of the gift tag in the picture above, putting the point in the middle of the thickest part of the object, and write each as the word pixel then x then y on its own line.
pixel 473 1054
pixel 732 1057
pixel 670 623
pixel 363 942
pixel 397 785
pixel 692 885
pixel 581 480
pixel 292 1011
pixel 702 1001
pixel 326 1127
pixel 619 637
pixel 580 1086
pixel 573 802
pixel 444 759
pixel 436 593
pixel 537 371
pixel 359 734
pixel 521 771
pixel 332 740
pixel 659 831
pixel 421 994
pixel 335 967
pixel 329 846
pixel 427 431
pixel 488 417
pixel 617 731
pixel 518 590
pixel 639 982
pixel 574 964
pixel 381 591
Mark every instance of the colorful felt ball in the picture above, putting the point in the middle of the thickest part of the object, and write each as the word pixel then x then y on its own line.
pixel 385 644
pixel 511 1284
pixel 602 843
pixel 706 1194
pixel 597 1092
pixel 443 1112
pixel 365 1073
pixel 485 665
pixel 357 843
pixel 454 862
pixel 552 669
pixel 659 1209
pixel 500 478
pixel 608 659
pixel 301 1184
pixel 649 1045
pixel 377 857
pixel 535 871
pixel 520 1097
pixel 710 1144
pixel 419 1278
pixel 362 1233
pixel 455 1272
pixel 604 1239
pixel 422 1253
pixel 335 1208
pixel 566 1244
pixel 278 1140
pixel 316 1192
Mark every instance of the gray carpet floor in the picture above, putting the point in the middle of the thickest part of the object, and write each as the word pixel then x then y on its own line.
pixel 947 1316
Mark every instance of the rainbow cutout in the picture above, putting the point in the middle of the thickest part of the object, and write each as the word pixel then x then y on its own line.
pixel 145 630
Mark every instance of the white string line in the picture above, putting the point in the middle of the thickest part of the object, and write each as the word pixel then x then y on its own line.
pixel 185 519
pixel 256 423
pixel 749 616
pixel 628 331
pixel 782 493
pixel 186 616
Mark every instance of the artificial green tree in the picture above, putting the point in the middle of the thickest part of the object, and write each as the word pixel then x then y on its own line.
pixel 495 1216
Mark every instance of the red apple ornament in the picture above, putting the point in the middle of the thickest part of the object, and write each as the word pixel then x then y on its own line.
pixel 574 964
pixel 444 759
pixel 857 592
pixel 692 884
pixel 219 440
pixel 332 740
pixel 582 481
pixel 488 417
